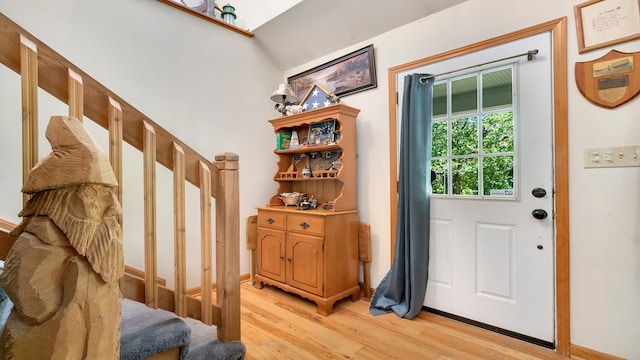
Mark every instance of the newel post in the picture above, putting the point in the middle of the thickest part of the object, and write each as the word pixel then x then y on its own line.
pixel 228 246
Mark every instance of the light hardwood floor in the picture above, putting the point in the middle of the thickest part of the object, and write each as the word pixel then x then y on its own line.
pixel 280 325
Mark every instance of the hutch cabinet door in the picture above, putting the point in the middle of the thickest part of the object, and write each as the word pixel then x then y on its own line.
pixel 305 263
pixel 271 252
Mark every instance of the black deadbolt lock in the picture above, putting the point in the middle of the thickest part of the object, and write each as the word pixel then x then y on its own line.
pixel 539 192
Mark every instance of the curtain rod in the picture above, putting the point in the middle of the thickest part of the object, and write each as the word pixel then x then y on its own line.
pixel 529 54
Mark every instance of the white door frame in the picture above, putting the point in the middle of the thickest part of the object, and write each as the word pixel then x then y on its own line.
pixel 557 29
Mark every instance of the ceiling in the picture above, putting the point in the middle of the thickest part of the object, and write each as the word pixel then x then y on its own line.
pixel 314 28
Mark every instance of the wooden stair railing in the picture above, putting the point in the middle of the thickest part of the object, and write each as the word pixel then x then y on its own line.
pixel 40 66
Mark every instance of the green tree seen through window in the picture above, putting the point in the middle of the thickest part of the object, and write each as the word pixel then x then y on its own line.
pixel 473 151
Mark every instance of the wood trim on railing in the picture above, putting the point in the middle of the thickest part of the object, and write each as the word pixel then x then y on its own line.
pixel 196 291
pixel 180 252
pixel 76 101
pixel 150 238
pixel 53 71
pixel 208 18
pixel 205 239
pixel 128 269
pixel 29 84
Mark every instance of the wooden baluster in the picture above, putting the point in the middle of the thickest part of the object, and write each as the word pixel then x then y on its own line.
pixel 180 253
pixel 115 152
pixel 76 105
pixel 228 246
pixel 115 144
pixel 150 256
pixel 29 77
pixel 205 238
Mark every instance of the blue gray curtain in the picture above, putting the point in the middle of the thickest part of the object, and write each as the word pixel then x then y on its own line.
pixel 403 288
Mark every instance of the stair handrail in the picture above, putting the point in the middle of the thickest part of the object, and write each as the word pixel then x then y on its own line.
pixel 42 67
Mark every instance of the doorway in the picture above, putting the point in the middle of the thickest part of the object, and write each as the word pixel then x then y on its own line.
pixel 498 286
pixel 491 261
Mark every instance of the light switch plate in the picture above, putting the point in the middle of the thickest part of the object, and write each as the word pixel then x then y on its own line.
pixel 614 156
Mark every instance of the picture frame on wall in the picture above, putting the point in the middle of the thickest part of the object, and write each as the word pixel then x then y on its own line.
pixel 601 23
pixel 343 76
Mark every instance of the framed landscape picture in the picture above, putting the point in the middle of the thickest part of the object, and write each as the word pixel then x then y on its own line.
pixel 343 76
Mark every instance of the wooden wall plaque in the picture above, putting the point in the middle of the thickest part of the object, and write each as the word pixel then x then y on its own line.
pixel 611 80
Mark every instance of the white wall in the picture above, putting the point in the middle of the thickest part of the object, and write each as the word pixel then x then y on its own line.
pixel 604 203
pixel 205 84
pixel 253 13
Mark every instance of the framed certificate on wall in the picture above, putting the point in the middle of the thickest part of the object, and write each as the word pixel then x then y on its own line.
pixel 601 23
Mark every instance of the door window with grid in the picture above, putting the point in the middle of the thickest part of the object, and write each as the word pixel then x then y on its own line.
pixel 474 135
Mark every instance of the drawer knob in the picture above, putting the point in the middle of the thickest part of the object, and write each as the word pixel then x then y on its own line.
pixel 304 225
pixel 270 221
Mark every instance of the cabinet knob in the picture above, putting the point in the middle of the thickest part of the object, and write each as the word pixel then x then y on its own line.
pixel 281 257
pixel 304 225
pixel 270 221
pixel 289 259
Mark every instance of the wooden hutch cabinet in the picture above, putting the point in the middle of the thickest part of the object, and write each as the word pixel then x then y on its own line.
pixel 306 251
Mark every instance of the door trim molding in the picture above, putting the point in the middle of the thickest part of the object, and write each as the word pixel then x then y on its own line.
pixel 558 30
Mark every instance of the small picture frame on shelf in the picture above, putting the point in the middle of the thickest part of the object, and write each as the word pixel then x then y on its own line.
pixel 282 140
pixel 322 133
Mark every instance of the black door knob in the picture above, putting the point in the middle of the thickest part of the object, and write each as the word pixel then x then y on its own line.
pixel 539 214
pixel 538 192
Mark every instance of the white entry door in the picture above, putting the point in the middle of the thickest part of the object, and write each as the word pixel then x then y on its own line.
pixel 492 252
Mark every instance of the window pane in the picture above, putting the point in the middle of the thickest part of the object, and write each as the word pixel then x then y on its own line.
pixel 438 138
pixel 497 132
pixel 464 136
pixel 497 89
pixel 464 175
pixel 439 184
pixel 439 100
pixel 497 175
pixel 464 95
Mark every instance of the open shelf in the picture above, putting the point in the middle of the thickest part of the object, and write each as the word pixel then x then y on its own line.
pixel 316 175
pixel 309 149
pixel 332 163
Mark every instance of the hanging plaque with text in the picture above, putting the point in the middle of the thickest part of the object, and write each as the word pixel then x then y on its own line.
pixel 611 80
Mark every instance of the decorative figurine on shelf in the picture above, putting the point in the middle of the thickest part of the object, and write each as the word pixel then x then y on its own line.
pixel 211 8
pixel 284 98
pixel 294 109
pixel 313 203
pixel 333 99
pixel 306 172
pixel 294 143
pixel 305 204
pixel 228 14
